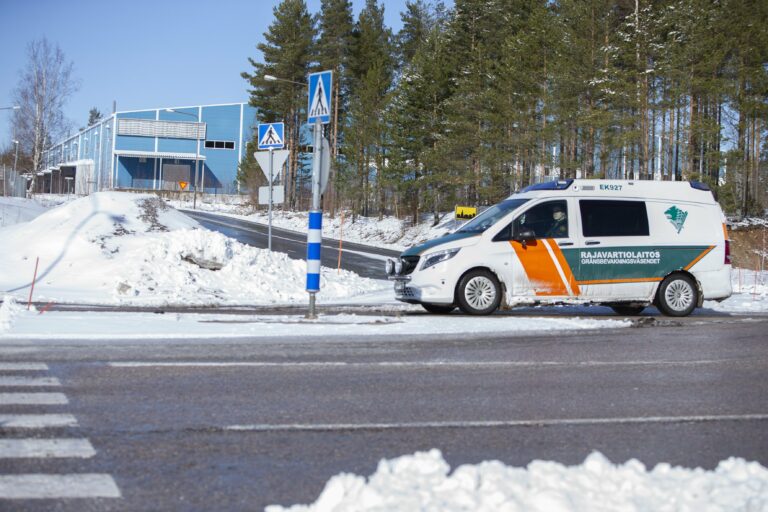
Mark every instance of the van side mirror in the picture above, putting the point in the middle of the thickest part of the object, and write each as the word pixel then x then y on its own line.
pixel 525 235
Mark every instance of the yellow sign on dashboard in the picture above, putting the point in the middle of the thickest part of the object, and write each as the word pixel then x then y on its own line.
pixel 465 212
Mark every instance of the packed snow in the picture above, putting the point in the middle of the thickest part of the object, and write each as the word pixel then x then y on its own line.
pixel 121 248
pixel 55 325
pixel 424 481
pixel 750 293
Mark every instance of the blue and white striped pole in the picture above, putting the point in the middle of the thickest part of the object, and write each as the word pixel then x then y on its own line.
pixel 314 241
pixel 315 234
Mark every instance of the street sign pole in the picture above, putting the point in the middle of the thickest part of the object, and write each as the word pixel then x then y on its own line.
pixel 315 234
pixel 269 208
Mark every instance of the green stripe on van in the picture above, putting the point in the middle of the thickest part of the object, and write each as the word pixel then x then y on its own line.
pixel 634 262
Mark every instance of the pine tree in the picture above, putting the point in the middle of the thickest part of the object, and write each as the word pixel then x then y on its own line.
pixel 287 55
pixel 333 48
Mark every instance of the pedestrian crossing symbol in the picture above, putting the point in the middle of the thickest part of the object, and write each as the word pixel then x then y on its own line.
pixel 319 100
pixel 271 136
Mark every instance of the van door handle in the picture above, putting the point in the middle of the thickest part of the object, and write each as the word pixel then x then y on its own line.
pixel 592 242
pixel 565 244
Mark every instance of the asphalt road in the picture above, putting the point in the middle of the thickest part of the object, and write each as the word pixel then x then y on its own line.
pixel 364 260
pixel 237 425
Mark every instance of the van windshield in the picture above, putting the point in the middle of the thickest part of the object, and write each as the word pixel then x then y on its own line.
pixel 491 216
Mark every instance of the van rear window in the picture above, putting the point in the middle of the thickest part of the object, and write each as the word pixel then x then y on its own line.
pixel 613 218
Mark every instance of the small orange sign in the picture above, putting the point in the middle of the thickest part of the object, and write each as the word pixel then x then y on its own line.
pixel 183 184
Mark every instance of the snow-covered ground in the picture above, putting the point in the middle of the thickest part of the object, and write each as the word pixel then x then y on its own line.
pixel 16 322
pixel 424 481
pixel 14 210
pixel 750 293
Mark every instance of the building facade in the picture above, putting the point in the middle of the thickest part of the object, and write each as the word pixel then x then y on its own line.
pixel 155 149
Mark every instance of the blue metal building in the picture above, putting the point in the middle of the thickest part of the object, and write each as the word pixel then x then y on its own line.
pixel 153 149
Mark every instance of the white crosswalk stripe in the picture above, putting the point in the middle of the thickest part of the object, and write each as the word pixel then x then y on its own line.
pixel 29 381
pixel 45 448
pixel 33 399
pixel 37 420
pixel 23 366
pixel 44 485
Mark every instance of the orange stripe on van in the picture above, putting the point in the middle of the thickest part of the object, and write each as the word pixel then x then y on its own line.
pixel 725 231
pixel 614 281
pixel 570 278
pixel 698 258
pixel 540 268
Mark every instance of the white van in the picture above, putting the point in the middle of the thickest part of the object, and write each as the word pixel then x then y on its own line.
pixel 624 244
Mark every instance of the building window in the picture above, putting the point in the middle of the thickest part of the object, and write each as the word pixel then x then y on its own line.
pixel 614 218
pixel 220 144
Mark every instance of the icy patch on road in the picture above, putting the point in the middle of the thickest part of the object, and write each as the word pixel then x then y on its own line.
pixel 423 481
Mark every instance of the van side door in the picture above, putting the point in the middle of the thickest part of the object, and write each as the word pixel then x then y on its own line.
pixel 538 236
pixel 617 257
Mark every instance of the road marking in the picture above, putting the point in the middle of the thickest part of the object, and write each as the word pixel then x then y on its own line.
pixel 45 448
pixel 29 381
pixel 42 486
pixel 22 366
pixel 37 420
pixel 33 399
pixel 421 364
pixel 299 427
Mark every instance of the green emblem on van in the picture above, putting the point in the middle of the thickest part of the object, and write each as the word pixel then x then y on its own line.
pixel 677 217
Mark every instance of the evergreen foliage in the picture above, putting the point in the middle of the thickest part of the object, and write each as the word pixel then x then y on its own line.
pixel 470 104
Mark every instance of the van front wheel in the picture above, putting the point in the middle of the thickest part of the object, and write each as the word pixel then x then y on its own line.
pixel 479 293
pixel 677 295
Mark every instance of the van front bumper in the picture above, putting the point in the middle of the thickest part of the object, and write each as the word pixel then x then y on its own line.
pixel 413 292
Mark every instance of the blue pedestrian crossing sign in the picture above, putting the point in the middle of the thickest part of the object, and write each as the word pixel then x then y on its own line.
pixel 271 136
pixel 319 101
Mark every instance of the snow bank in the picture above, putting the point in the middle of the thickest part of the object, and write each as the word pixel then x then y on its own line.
pixel 9 310
pixel 120 248
pixel 750 293
pixel 423 481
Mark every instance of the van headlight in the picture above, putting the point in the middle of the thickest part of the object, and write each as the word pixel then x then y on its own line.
pixel 434 258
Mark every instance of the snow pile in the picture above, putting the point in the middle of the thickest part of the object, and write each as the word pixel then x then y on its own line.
pixel 750 293
pixel 9 310
pixel 423 482
pixel 14 210
pixel 202 267
pixel 121 248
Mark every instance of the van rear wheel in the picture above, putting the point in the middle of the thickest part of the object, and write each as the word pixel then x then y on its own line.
pixel 438 309
pixel 677 295
pixel 478 293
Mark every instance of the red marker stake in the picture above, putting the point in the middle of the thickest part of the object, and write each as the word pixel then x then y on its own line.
pixel 34 278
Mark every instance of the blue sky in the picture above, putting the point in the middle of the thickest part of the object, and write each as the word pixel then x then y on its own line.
pixel 143 53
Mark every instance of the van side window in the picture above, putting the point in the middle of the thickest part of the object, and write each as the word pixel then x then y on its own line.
pixel 613 218
pixel 546 220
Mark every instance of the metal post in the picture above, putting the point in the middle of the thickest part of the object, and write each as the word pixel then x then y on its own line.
pixel 314 238
pixel 269 208
pixel 197 162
